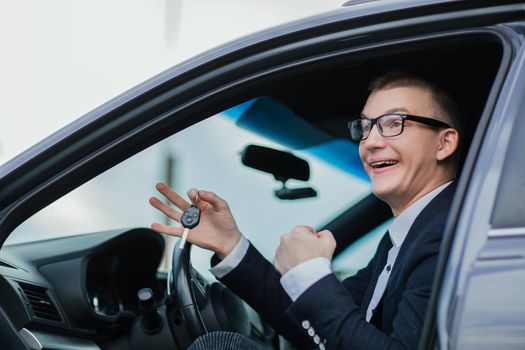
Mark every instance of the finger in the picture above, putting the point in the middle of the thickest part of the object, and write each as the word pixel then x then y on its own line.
pixel 169 230
pixel 216 202
pixel 193 195
pixel 165 209
pixel 303 229
pixel 172 196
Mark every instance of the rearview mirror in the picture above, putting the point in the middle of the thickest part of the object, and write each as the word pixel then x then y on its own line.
pixel 283 166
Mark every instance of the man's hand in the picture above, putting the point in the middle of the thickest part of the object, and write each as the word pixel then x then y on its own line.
pixel 216 231
pixel 302 244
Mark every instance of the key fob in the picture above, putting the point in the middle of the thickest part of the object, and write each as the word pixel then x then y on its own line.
pixel 190 217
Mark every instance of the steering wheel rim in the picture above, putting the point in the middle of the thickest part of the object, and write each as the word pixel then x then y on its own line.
pixel 181 288
pixel 200 307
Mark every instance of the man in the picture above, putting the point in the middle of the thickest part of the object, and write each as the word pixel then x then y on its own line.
pixel 408 140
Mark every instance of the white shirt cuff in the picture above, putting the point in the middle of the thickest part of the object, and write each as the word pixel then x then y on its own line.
pixel 231 260
pixel 301 277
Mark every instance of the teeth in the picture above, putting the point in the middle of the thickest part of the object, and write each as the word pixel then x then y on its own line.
pixel 383 163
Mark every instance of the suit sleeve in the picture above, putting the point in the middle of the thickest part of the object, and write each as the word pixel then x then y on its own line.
pixel 256 281
pixel 334 312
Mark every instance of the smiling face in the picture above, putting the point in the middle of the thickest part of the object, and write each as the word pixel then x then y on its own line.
pixel 405 167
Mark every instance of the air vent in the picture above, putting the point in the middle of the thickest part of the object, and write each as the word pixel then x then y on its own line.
pixel 40 302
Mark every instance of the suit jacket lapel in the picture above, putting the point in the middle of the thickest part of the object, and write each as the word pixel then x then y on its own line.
pixel 442 200
pixel 382 250
pixel 439 202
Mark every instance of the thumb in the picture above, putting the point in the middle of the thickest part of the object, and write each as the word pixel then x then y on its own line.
pixel 193 195
pixel 327 238
pixel 216 202
pixel 196 199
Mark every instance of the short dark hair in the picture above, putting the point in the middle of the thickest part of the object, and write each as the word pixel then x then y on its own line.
pixel 445 99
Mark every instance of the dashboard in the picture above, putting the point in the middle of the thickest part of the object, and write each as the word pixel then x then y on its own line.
pixel 78 291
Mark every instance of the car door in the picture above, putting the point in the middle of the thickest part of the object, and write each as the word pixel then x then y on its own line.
pixel 194 90
pixel 481 305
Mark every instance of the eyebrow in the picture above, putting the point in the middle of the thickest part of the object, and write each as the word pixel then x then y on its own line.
pixel 391 110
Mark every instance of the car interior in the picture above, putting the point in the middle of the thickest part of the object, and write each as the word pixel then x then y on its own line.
pixel 81 282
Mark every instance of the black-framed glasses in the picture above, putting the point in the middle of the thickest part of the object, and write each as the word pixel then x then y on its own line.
pixel 388 125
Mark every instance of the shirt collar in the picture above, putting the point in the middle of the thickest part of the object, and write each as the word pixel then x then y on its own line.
pixel 399 228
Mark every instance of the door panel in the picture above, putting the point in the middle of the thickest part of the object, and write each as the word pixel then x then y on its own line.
pixel 481 304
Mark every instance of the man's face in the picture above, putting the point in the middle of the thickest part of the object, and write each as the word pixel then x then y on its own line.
pixel 412 168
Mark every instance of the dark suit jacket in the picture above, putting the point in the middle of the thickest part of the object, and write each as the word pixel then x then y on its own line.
pixel 336 310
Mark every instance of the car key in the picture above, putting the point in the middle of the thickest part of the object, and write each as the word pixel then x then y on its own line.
pixel 189 219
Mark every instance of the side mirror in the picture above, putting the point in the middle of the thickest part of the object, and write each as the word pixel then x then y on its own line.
pixel 283 166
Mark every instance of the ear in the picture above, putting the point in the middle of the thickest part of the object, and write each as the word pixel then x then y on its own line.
pixel 448 143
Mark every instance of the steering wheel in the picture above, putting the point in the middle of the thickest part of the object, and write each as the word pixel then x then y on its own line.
pixel 198 306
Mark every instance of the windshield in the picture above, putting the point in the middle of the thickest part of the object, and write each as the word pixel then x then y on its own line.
pixel 205 156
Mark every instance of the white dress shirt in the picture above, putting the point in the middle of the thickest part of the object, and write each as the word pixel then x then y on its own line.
pixel 398 231
pixel 301 277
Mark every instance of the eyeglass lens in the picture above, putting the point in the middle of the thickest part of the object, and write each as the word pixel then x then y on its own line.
pixel 388 125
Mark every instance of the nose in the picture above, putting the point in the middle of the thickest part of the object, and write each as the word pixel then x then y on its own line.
pixel 374 139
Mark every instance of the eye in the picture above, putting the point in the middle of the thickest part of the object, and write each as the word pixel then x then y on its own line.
pixel 392 122
pixel 397 124
pixel 364 125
